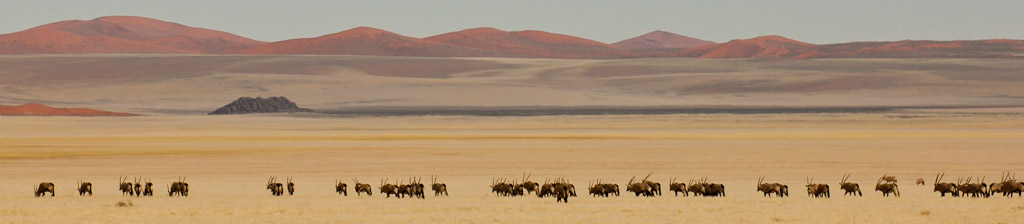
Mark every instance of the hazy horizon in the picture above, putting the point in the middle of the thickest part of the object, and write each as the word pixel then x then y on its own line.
pixel 605 21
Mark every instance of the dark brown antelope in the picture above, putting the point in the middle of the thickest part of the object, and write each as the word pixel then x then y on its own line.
pixel 677 187
pixel 695 187
pixel 978 189
pixel 1009 185
pixel 944 188
pixel 403 189
pixel 438 187
pixel 655 187
pixel 597 188
pixel 817 190
pixel 180 188
pixel 640 187
pixel 715 190
pixel 887 188
pixel 84 187
pixel 771 188
pixel 125 186
pixel 388 189
pixel 561 192
pixel 340 187
pixel 530 186
pixel 561 189
pixel 137 187
pixel 850 188
pixel 611 188
pixel 276 188
pixel 962 187
pixel 45 187
pixel 515 188
pixel 546 189
pixel 148 190
pixel 362 188
pixel 501 188
pixel 291 187
pixel 417 188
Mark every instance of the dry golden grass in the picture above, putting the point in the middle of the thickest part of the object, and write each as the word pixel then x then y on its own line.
pixel 228 158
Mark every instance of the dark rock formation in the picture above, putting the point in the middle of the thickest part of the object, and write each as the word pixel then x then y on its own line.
pixel 248 105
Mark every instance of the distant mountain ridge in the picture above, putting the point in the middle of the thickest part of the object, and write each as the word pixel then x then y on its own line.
pixel 121 34
pixel 140 35
pixel 660 39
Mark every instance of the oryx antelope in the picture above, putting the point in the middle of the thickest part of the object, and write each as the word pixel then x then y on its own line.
pixel 817 190
pixel 502 188
pixel 596 188
pixel 887 188
pixel 137 187
pixel 944 188
pixel 438 187
pixel 340 187
pixel 148 189
pixel 640 187
pixel 180 188
pixel 850 188
pixel 1009 185
pixel 530 186
pixel 362 188
pixel 84 187
pixel 125 187
pixel 715 190
pixel 611 188
pixel 388 189
pixel 677 187
pixel 416 188
pixel 768 189
pixel 974 189
pixel 45 187
pixel 276 188
pixel 291 186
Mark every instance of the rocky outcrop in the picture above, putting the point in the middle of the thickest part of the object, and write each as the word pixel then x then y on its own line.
pixel 248 105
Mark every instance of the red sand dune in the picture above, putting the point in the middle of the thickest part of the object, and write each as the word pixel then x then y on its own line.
pixel 121 34
pixel 34 109
pixel 127 34
pixel 367 41
pixel 661 39
pixel 759 47
pixel 530 43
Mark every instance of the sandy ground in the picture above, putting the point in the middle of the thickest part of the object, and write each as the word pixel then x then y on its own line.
pixel 227 160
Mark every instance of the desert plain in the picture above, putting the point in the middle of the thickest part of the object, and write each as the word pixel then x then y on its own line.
pixel 910 118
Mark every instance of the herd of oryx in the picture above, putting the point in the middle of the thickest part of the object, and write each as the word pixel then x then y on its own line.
pixel 561 189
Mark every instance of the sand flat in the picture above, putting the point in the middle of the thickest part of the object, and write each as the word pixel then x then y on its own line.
pixel 228 158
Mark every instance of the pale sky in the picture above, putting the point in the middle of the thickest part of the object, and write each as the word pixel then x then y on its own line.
pixel 814 21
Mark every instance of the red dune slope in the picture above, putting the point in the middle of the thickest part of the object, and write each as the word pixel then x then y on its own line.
pixel 34 109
